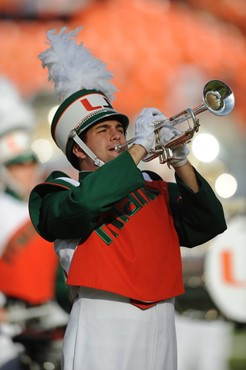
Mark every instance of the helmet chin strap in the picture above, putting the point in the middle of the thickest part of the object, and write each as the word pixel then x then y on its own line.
pixel 97 162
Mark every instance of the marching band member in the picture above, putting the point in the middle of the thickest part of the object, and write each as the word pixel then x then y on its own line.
pixel 28 263
pixel 117 230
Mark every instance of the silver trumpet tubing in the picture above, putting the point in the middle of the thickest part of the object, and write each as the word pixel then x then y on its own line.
pixel 217 98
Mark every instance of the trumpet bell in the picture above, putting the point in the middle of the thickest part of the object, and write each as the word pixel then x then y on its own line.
pixel 218 98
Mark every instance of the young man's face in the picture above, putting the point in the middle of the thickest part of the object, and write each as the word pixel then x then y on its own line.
pixel 102 138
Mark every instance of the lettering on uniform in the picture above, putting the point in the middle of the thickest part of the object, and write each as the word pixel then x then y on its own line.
pixel 123 211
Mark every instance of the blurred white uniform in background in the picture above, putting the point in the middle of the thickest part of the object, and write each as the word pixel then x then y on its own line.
pixel 26 287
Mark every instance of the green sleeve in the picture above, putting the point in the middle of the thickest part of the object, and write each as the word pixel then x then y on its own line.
pixel 198 217
pixel 73 213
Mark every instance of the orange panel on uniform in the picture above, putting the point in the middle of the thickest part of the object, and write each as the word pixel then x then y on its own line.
pixel 28 266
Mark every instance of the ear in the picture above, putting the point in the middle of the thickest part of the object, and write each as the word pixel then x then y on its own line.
pixel 78 151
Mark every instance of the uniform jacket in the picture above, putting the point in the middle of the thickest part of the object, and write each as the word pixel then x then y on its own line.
pixel 118 231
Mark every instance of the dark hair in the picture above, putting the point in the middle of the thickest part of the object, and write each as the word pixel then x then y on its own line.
pixel 74 158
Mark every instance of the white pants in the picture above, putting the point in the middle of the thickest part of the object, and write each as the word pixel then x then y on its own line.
pixel 106 332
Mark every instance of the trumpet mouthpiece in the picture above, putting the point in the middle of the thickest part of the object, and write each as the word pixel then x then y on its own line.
pixel 118 147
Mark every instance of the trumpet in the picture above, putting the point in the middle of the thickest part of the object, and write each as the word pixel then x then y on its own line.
pixel 217 98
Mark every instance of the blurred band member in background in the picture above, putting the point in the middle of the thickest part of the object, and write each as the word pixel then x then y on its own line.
pixel 28 264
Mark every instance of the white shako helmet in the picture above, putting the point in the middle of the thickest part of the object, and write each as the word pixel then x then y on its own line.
pixel 82 85
pixel 76 114
pixel 15 147
pixel 16 125
pixel 17 121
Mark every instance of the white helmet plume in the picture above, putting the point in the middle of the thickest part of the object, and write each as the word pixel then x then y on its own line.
pixel 72 67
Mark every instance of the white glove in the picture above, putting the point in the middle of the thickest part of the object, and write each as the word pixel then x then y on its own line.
pixel 145 126
pixel 168 132
pixel 180 153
